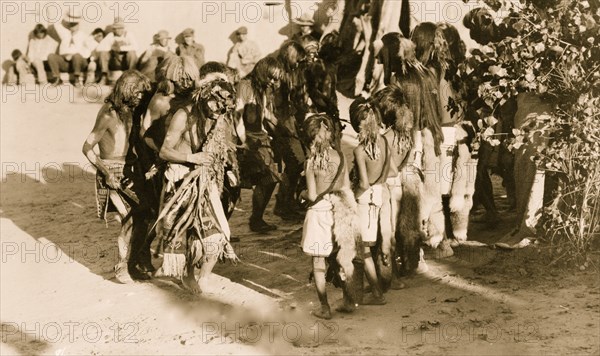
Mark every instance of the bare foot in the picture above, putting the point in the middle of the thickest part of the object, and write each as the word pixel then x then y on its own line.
pixel 159 272
pixel 122 274
pixel 323 313
pixel 397 285
pixel 380 300
pixel 423 268
pixel 203 284
pixel 190 283
pixel 346 308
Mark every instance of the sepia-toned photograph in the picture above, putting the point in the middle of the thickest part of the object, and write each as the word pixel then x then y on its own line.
pixel 300 177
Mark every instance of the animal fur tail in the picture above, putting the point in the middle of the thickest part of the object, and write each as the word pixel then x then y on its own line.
pixel 409 231
pixel 346 231
pixel 432 214
pixel 463 183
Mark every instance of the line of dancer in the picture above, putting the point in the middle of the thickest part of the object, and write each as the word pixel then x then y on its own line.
pixel 174 155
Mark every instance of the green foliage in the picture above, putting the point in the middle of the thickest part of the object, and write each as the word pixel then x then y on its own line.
pixel 553 49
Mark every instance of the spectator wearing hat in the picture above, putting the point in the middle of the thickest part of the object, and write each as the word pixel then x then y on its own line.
pixel 158 50
pixel 244 54
pixel 118 50
pixel 39 48
pixel 307 25
pixel 189 47
pixel 73 50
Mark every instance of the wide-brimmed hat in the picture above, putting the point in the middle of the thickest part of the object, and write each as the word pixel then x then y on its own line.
pixel 73 16
pixel 242 30
pixel 188 32
pixel 310 46
pixel 305 20
pixel 119 23
pixel 162 34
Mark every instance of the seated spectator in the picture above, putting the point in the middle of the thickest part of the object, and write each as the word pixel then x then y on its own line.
pixel 73 50
pixel 94 72
pixel 20 72
pixel 118 50
pixel 39 48
pixel 158 50
pixel 98 34
pixel 244 54
pixel 189 47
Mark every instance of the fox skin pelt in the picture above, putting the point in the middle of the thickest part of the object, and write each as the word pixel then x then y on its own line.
pixel 409 232
pixel 432 214
pixel 346 231
pixel 463 184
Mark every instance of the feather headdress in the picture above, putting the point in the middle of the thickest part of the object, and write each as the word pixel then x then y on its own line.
pixel 366 121
pixel 397 55
pixel 318 130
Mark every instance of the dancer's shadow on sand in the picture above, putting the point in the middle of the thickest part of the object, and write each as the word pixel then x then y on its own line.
pixel 63 211
pixel 23 341
pixel 57 202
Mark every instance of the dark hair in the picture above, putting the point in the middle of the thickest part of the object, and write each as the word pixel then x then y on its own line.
pixel 388 55
pixel 39 28
pixel 324 99
pixel 212 67
pixel 423 35
pixel 218 67
pixel 431 46
pixel 392 105
pixel 125 89
pixel 457 51
pixel 331 49
pixel 456 46
pixel 421 90
pixel 16 54
pixel 289 52
pixel 263 69
pixel 97 31
pixel 481 25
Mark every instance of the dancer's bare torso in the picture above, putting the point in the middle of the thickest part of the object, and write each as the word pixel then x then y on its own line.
pixel 324 177
pixel 374 167
pixel 112 130
pixel 397 153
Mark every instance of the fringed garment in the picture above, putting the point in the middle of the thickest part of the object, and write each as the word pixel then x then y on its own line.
pixel 104 205
pixel 193 221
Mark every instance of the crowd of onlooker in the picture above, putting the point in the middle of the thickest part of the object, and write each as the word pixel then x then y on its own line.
pixel 90 57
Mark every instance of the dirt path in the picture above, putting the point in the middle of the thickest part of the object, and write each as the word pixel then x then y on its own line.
pixel 58 295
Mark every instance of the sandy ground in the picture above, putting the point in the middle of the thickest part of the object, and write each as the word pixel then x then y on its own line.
pixel 58 295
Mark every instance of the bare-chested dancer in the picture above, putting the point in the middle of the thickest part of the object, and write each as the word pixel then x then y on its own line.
pixel 403 178
pixel 372 162
pixel 196 142
pixel 330 223
pixel 111 135
pixel 176 76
